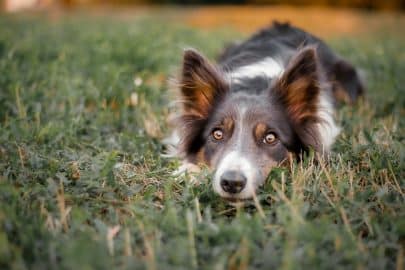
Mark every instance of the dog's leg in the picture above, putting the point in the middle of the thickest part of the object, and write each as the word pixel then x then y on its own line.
pixel 347 83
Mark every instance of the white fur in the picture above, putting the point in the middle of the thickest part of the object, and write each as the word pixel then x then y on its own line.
pixel 328 130
pixel 186 167
pixel 267 67
pixel 235 161
pixel 171 144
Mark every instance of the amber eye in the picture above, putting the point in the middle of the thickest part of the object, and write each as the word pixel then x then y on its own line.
pixel 217 134
pixel 270 138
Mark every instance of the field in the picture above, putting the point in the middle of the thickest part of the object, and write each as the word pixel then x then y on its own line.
pixel 83 185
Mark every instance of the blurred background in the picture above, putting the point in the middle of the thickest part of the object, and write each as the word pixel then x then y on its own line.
pixel 13 5
pixel 325 18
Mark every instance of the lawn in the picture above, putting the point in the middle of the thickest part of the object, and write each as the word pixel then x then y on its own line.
pixel 83 107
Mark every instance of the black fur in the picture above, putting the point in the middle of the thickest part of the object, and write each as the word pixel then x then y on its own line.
pixel 310 67
pixel 281 41
pixel 246 104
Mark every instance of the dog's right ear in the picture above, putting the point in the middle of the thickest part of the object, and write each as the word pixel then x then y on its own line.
pixel 299 90
pixel 202 84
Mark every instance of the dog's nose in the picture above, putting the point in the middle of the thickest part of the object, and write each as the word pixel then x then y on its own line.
pixel 233 181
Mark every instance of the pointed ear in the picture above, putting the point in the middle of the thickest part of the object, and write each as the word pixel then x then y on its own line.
pixel 201 84
pixel 298 89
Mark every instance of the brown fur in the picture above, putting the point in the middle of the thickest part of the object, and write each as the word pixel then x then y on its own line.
pixel 298 88
pixel 260 131
pixel 201 87
pixel 296 106
pixel 347 85
pixel 201 84
pixel 299 91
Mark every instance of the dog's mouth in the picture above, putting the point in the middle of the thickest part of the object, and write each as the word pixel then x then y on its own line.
pixel 237 202
pixel 236 198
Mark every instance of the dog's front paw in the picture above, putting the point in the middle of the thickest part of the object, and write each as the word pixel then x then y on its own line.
pixel 189 169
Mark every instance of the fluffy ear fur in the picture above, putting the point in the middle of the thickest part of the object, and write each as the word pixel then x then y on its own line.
pixel 299 90
pixel 201 84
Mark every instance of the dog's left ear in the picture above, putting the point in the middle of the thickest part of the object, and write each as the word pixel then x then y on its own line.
pixel 298 89
pixel 201 84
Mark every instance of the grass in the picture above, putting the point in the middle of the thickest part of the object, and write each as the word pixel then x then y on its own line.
pixel 83 105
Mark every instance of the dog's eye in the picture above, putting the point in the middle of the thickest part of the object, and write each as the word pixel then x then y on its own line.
pixel 270 138
pixel 217 134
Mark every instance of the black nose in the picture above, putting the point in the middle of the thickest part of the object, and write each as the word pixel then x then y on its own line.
pixel 233 181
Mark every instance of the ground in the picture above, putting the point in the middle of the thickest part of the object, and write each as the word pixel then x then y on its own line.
pixel 83 185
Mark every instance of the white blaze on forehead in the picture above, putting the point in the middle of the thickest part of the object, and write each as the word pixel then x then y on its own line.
pixel 235 161
pixel 267 67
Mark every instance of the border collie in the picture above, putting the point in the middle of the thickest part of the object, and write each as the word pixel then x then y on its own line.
pixel 266 99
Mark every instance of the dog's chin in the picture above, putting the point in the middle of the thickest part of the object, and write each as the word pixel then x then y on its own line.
pixel 236 201
pixel 236 198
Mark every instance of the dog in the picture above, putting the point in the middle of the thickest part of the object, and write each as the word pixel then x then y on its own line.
pixel 265 100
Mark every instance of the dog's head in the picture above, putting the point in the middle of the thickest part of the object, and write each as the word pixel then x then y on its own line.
pixel 242 130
